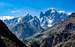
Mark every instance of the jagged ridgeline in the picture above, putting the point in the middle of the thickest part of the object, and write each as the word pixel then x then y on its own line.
pixel 50 29
pixel 60 35
pixel 25 27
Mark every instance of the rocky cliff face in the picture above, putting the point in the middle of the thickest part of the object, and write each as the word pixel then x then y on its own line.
pixel 60 35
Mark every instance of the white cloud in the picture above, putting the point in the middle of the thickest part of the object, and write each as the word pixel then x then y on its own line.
pixel 69 13
pixel 18 12
pixel 6 17
pixel 61 11
pixel 23 12
pixel 13 11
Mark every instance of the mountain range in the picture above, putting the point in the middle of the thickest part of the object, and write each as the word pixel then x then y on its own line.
pixel 26 26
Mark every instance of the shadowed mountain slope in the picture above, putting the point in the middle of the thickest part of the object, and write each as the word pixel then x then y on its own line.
pixel 6 36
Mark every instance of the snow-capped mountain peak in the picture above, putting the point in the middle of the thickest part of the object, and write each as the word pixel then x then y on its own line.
pixel 28 25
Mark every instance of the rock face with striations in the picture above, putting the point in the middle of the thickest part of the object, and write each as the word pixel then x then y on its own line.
pixel 60 35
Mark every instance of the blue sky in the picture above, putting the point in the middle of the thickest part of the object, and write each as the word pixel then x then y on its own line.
pixel 19 7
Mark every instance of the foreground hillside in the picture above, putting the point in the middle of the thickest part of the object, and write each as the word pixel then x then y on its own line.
pixel 7 38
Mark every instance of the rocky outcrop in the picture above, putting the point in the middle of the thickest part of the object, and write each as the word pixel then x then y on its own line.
pixel 60 35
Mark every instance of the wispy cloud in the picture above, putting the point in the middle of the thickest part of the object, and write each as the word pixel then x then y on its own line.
pixel 17 12
pixel 14 11
pixel 23 12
